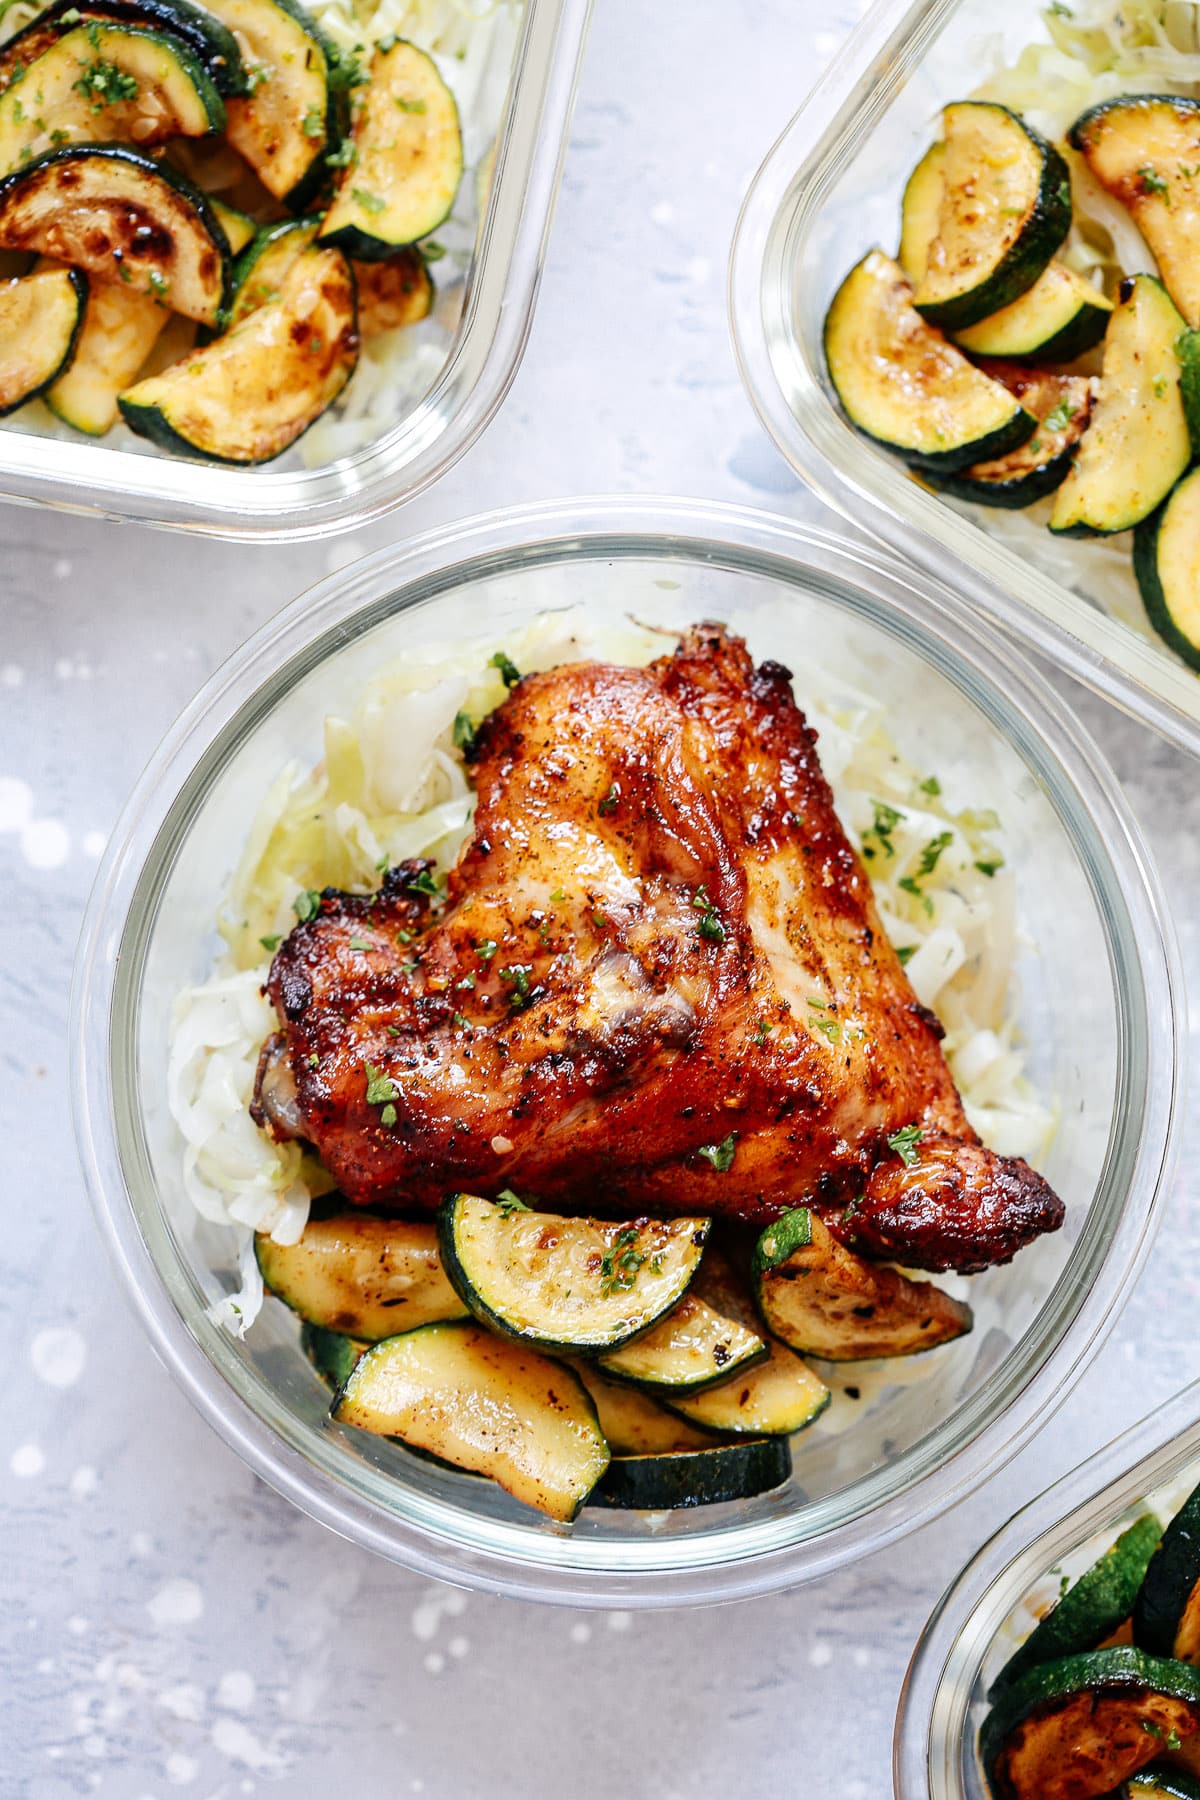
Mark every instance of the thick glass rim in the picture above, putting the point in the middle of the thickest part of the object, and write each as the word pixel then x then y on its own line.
pixel 981 1433
pixel 934 1701
pixel 266 505
pixel 864 483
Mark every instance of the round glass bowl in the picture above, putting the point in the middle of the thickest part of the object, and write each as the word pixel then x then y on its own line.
pixel 981 1618
pixel 1098 975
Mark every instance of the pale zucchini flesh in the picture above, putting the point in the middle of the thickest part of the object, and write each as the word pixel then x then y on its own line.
pixel 773 1398
pixel 572 1284
pixel 118 215
pixel 408 146
pixel 919 211
pixel 634 1424
pixel 40 318
pixel 289 122
pixel 901 383
pixel 485 1404
pixel 1145 150
pixel 120 329
pixel 1062 406
pixel 1137 443
pixel 365 1277
pixel 214 48
pixel 691 1347
pixel 259 271
pixel 250 394
pixel 712 1477
pixel 1166 561
pixel 106 83
pixel 238 227
pixel 1057 319
pixel 1005 209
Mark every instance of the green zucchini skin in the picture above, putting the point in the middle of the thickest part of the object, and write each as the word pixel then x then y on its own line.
pixel 1158 1781
pixel 1121 1669
pixel 1091 1608
pixel 1029 330
pixel 1043 230
pixel 684 1478
pixel 331 1353
pixel 1175 1567
pixel 1187 350
pixel 1147 549
pixel 213 46
pixel 79 283
pixel 1035 468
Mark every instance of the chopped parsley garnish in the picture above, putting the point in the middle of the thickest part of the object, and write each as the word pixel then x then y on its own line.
pixel 409 106
pixel 104 84
pixel 468 982
pixel 558 895
pixel 307 905
pixel 409 968
pixel 990 867
pixel 610 800
pixel 425 883
pixel 517 977
pixel 357 943
pixel 932 852
pixel 619 1266
pixel 256 77
pixel 347 71
pixel 904 1142
pixel 1170 1738
pixel 273 942
pixel 432 251
pixel 344 157
pixel 710 925
pixel 1153 183
pixel 462 1021
pixel 405 937
pixel 313 123
pixel 370 203
pixel 1061 417
pixel 824 1021
pixel 762 1032
pixel 906 952
pixel 486 950
pixel 314 1059
pixel 720 1155
pixel 509 672
pixel 381 1092
pixel 387 1114
pixel 931 786
pixel 886 819
pixel 1058 9
pixel 160 287
pixel 464 734
pixel 509 1203
pixel 393 1031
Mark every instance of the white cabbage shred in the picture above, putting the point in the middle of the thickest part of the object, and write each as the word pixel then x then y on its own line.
pixel 392 784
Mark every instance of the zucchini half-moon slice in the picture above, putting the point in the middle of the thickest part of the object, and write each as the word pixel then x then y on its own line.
pixel 40 319
pixel 105 83
pixel 117 214
pixel 695 1477
pixel 1084 1724
pixel 210 43
pixel 1160 1782
pixel 238 227
pixel 1145 150
pixel 484 1404
pixel 259 271
pixel 290 120
pixel 1062 406
pixel 570 1284
pixel 247 396
pixel 408 158
pixel 690 1349
pixel 1092 1607
pixel 634 1424
pixel 901 383
pixel 1137 443
pixel 822 1300
pixel 120 328
pixel 1059 318
pixel 331 1353
pixel 1166 1618
pixel 1166 561
pixel 1005 209
pixel 919 211
pixel 366 1277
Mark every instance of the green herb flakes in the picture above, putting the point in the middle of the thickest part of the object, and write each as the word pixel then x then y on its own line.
pixel 904 1142
pixel 720 1155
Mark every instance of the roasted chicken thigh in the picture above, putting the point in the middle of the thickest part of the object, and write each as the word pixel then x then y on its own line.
pixel 657 982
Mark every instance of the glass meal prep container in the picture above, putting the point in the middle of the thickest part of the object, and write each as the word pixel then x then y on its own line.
pixel 1099 1013
pixel 982 1617
pixel 457 366
pixel 827 192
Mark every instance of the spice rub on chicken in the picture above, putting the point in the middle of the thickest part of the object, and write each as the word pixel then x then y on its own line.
pixel 657 981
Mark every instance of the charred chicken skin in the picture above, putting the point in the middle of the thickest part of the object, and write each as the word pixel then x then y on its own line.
pixel 657 982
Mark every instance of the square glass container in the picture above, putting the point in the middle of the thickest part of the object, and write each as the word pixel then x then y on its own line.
pixel 982 1617
pixel 522 97
pixel 828 191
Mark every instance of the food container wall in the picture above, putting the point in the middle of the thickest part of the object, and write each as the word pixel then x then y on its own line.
pixel 828 191
pixel 388 445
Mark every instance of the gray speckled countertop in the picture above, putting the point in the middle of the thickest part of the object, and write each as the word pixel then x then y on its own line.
pixel 168 1624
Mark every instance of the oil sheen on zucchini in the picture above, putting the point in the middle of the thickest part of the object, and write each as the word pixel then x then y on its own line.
pixel 40 319
pixel 1084 1724
pixel 919 211
pixel 238 227
pixel 634 1424
pixel 1166 1618
pixel 248 395
pixel 364 1276
pixel 291 119
pixel 1145 149
pixel 106 83
pixel 409 158
pixel 1062 406
pixel 117 214
pixel 214 47
pixel 822 1300
pixel 1005 209
pixel 579 1285
pixel 693 1346
pixel 485 1404
pixel 695 1477
pixel 1166 561
pixel 119 330
pixel 1092 1607
pixel 262 265
pixel 1158 1781
pixel 1137 443
pixel 901 383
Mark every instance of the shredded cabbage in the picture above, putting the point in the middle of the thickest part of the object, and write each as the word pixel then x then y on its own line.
pixel 393 784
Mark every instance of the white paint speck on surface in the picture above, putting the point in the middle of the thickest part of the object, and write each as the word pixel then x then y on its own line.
pixel 237 1743
pixel 435 1662
pixel 93 843
pixel 45 844
pixel 63 669
pixel 820 1656
pixel 236 1690
pixel 27 1460
pixel 77 1625
pixel 11 676
pixel 184 1701
pixel 84 1482
pixel 177 1602
pixel 620 1621
pixel 141 1544
pixel 580 1632
pixel 458 1646
pixel 59 1356
pixel 862 1658
pixel 62 568
pixel 94 1745
pixel 699 269
pixel 180 1769
pixel 16 803
pixel 662 213
pixel 46 1666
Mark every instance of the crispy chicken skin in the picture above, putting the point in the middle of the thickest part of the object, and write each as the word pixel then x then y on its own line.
pixel 658 941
